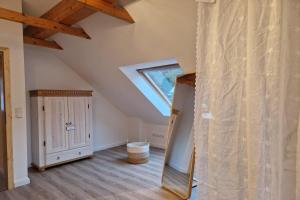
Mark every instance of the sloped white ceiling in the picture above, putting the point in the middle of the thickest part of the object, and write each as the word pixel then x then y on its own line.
pixel 163 29
pixel 38 7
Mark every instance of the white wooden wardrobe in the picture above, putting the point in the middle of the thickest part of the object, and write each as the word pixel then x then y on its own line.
pixel 61 126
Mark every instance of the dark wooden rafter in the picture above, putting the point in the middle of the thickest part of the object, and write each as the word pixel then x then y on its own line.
pixel 188 79
pixel 40 42
pixel 58 13
pixel 41 23
pixel 69 12
pixel 73 11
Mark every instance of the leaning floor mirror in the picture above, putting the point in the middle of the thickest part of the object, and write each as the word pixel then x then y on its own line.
pixel 180 154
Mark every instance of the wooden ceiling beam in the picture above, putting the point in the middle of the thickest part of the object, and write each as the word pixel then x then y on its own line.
pixel 68 13
pixel 78 16
pixel 72 19
pixel 62 10
pixel 59 12
pixel 41 23
pixel 40 42
pixel 109 9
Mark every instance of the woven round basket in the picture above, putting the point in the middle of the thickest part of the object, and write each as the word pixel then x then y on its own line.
pixel 138 152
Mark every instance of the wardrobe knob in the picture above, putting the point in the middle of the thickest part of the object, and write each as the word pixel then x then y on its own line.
pixel 79 153
pixel 57 158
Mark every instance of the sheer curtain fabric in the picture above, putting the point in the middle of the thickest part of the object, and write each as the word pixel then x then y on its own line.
pixel 247 126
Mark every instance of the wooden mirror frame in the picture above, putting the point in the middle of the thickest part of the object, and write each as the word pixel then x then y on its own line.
pixel 188 79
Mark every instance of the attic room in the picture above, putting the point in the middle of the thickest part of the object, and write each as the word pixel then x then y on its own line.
pixel 150 99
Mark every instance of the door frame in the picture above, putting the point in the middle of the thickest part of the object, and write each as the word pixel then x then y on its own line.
pixel 8 118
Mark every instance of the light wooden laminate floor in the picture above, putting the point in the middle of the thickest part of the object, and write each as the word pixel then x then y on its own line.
pixel 107 176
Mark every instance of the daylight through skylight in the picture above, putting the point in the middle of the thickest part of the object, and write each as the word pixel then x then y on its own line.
pixel 155 80
pixel 162 78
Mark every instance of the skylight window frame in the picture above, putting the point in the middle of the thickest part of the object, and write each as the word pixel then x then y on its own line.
pixel 153 84
pixel 144 86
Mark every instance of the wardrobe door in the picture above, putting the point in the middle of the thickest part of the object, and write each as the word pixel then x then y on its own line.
pixel 78 135
pixel 56 115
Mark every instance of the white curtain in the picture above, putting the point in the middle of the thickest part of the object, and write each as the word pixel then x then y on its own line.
pixel 247 125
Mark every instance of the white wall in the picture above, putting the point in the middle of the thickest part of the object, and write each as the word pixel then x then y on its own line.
pixel 45 71
pixel 11 36
pixel 156 134
pixel 141 131
pixel 110 124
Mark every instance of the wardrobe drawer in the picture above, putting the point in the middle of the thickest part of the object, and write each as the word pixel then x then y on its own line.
pixel 69 155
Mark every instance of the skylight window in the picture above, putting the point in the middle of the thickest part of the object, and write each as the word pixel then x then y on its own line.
pixel 155 80
pixel 162 79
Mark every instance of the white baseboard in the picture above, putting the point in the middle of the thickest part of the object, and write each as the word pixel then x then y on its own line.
pixel 108 146
pixel 22 181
